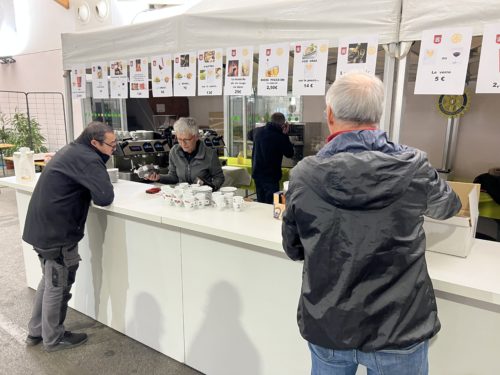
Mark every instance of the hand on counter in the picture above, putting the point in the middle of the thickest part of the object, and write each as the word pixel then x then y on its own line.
pixel 152 176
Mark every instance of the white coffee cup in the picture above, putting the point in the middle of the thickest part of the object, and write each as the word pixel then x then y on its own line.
pixel 113 174
pixel 220 201
pixel 237 203
pixel 189 200
pixel 285 185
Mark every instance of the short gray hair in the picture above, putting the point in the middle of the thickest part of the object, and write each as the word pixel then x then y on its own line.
pixel 186 125
pixel 356 97
pixel 95 130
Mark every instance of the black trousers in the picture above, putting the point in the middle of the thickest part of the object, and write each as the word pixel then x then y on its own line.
pixel 265 190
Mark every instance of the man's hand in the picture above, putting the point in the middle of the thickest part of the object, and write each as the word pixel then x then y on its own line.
pixel 285 128
pixel 152 177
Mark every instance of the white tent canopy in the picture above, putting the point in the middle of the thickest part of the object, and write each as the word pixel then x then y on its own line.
pixel 225 23
pixel 419 15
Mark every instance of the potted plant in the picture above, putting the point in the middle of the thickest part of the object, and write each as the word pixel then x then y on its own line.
pixel 21 132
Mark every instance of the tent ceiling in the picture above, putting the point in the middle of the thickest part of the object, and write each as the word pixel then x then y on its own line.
pixel 226 23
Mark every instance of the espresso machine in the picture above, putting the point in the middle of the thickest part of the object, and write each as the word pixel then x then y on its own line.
pixel 132 154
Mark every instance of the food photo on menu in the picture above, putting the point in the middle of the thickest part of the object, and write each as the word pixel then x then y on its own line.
pixel 357 53
pixel 184 61
pixel 232 68
pixel 117 68
pixel 209 56
pixel 138 67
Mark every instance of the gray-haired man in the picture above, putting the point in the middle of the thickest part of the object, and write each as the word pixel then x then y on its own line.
pixel 354 214
pixel 55 223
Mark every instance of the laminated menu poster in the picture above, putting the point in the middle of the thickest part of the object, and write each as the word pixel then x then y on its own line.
pixel 78 82
pixel 100 88
pixel 273 70
pixel 309 67
pixel 139 72
pixel 357 53
pixel 443 60
pixel 239 71
pixel 161 75
pixel 210 72
pixel 185 74
pixel 488 76
pixel 118 79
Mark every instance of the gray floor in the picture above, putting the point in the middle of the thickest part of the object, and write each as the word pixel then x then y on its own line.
pixel 106 352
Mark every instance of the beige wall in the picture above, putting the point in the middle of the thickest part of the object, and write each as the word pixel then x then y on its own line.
pixel 478 138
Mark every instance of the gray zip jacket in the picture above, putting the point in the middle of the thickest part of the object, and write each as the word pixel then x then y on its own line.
pixel 354 214
pixel 204 164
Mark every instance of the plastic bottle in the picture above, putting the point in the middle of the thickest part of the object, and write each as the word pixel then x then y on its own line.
pixel 241 159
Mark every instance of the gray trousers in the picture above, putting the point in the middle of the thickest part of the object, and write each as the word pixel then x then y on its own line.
pixel 50 305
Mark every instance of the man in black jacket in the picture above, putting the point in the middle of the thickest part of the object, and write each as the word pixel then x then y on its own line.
pixel 54 225
pixel 270 144
pixel 354 214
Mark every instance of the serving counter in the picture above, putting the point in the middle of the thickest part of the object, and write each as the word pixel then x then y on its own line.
pixel 215 290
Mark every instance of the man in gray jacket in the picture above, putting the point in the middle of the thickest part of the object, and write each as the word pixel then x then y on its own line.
pixel 354 215
pixel 190 159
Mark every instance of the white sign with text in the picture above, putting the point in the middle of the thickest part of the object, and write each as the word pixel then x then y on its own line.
pixel 488 76
pixel 309 67
pixel 239 70
pixel 161 75
pixel 210 72
pixel 357 54
pixel 273 70
pixel 185 74
pixel 78 82
pixel 118 79
pixel 100 88
pixel 139 82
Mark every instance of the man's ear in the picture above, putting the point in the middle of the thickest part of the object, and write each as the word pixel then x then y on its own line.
pixel 330 119
pixel 94 143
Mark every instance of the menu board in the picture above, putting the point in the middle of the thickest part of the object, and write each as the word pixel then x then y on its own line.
pixel 273 70
pixel 239 71
pixel 488 76
pixel 210 72
pixel 443 60
pixel 78 82
pixel 161 75
pixel 139 72
pixel 118 79
pixel 100 88
pixel 185 74
pixel 357 53
pixel 309 67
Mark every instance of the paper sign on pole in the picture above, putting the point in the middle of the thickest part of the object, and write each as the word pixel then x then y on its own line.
pixel 357 53
pixel 100 88
pixel 488 76
pixel 118 79
pixel 78 82
pixel 309 67
pixel 161 75
pixel 443 60
pixel 273 70
pixel 239 71
pixel 139 72
pixel 210 72
pixel 185 74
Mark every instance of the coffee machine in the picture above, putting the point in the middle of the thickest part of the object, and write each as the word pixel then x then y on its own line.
pixel 131 154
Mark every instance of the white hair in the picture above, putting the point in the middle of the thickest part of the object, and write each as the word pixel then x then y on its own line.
pixel 186 125
pixel 356 97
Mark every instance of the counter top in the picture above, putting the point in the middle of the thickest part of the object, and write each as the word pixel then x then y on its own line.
pixel 476 277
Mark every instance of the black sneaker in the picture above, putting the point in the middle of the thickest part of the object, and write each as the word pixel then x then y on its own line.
pixel 68 341
pixel 33 340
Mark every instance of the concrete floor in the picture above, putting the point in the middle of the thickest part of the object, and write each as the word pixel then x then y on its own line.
pixel 106 352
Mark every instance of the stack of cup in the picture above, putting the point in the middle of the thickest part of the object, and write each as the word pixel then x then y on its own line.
pixel 189 200
pixel 167 193
pixel 219 200
pixel 237 203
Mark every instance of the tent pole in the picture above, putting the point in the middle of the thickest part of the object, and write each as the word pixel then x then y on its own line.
pixel 389 71
pixel 399 91
pixel 70 129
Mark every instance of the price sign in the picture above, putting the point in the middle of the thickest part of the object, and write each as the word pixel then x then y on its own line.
pixel 309 67
pixel 443 60
pixel 239 71
pixel 273 70
pixel 488 76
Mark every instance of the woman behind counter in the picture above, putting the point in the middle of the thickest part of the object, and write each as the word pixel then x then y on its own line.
pixel 190 159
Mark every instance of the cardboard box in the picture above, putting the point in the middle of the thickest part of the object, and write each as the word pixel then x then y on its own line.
pixel 455 235
pixel 279 204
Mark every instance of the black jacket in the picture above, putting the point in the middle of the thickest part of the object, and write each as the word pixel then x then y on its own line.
pixel 269 147
pixel 60 202
pixel 354 214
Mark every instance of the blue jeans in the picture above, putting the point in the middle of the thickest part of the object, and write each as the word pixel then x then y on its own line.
pixel 408 361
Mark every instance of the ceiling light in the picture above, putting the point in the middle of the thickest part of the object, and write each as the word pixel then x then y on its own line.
pixel 7 60
pixel 102 9
pixel 83 13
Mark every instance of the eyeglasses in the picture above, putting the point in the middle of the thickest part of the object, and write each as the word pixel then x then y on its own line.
pixel 112 145
pixel 185 140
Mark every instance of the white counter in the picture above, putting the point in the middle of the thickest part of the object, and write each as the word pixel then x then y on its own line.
pixel 218 285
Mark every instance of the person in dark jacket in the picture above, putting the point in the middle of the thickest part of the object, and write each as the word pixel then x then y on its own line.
pixel 190 159
pixel 354 215
pixel 270 144
pixel 55 221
